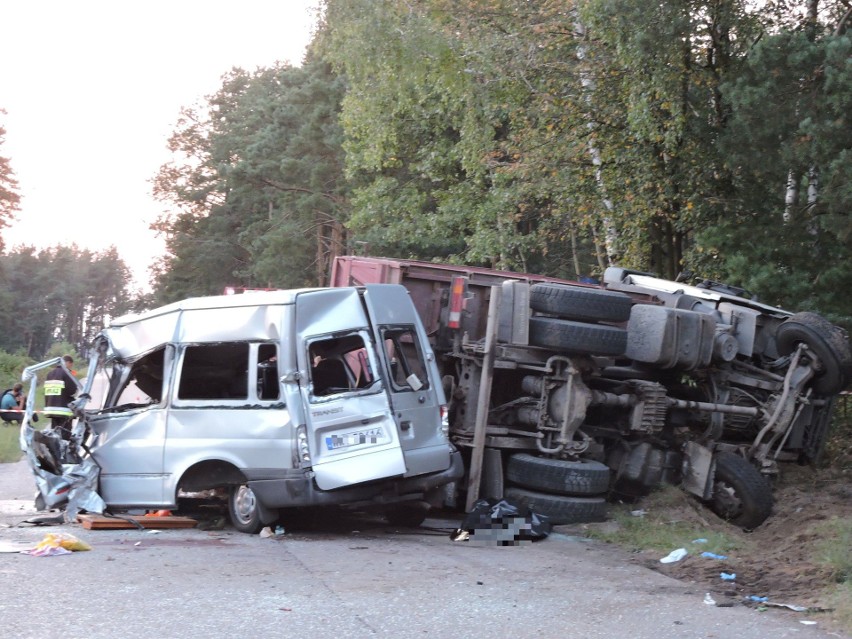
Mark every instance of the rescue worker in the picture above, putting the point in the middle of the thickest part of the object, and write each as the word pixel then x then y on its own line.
pixel 59 390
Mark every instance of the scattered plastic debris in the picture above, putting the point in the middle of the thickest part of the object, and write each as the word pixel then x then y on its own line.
pixel 728 576
pixel 268 532
pixel 708 599
pixel 808 622
pixel 674 555
pixel 792 607
pixel 638 513
pixel 713 555
pixel 758 599
pixel 700 540
pixel 57 544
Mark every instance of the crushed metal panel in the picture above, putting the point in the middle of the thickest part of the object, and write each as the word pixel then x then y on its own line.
pixel 128 447
pixel 134 334
pixel 329 311
pixel 245 322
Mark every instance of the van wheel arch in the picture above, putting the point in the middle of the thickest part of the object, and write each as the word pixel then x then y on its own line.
pixel 210 474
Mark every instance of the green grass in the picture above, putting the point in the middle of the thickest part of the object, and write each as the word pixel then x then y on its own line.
pixel 833 550
pixel 658 531
pixel 10 450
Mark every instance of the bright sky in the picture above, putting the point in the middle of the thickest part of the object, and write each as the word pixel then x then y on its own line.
pixel 93 89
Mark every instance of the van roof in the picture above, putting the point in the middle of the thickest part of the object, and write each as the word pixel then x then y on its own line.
pixel 253 298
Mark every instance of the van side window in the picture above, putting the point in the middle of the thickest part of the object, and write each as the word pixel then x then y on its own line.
pixel 339 364
pixel 267 372
pixel 407 366
pixel 215 371
pixel 144 385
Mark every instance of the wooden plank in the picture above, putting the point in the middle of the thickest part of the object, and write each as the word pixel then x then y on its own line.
pixel 100 522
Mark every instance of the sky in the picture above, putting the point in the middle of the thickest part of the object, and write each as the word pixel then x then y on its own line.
pixel 92 89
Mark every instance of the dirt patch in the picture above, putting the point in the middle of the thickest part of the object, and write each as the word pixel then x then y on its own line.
pixel 781 559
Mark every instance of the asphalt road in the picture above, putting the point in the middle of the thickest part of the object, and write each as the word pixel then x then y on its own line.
pixel 347 578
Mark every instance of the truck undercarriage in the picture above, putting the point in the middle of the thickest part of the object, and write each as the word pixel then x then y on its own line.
pixel 564 395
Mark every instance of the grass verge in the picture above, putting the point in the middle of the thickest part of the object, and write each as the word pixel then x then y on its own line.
pixel 655 527
pixel 10 450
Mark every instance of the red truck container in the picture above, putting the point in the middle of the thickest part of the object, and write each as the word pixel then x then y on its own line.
pixel 564 394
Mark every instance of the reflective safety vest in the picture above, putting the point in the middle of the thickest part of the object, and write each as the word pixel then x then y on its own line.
pixel 54 388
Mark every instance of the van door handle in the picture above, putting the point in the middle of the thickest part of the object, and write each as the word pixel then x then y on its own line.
pixel 405 425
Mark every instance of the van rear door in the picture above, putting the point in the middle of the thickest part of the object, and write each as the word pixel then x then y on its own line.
pixel 352 435
pixel 416 394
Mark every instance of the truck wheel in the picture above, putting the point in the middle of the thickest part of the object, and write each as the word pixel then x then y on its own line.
pixel 244 510
pixel 558 508
pixel 577 337
pixel 828 342
pixel 741 494
pixel 584 477
pixel 578 303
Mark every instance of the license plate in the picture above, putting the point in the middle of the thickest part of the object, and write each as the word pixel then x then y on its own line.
pixel 344 440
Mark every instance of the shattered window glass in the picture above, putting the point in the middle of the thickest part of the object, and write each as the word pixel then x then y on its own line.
pixel 407 366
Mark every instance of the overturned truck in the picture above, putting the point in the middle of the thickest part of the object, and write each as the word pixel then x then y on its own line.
pixel 563 394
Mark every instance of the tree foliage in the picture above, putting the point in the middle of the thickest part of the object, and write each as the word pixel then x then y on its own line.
pixel 554 137
pixel 257 184
pixel 59 294
pixel 9 197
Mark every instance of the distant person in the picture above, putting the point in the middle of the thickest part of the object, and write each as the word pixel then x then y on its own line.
pixel 12 404
pixel 59 390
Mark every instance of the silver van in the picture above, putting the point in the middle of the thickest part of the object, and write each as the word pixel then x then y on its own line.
pixel 283 398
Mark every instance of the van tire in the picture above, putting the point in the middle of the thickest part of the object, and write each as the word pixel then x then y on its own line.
pixel 560 509
pixel 407 515
pixel 579 303
pixel 559 476
pixel 577 337
pixel 244 510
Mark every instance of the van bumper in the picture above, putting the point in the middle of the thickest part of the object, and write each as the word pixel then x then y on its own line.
pixel 293 491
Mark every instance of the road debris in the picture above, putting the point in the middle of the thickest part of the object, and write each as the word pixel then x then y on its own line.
pixel 674 556
pixel 57 544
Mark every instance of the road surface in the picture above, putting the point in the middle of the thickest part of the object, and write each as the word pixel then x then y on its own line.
pixel 348 578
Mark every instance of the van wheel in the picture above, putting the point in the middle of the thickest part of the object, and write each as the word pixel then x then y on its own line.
pixel 741 494
pixel 558 508
pixel 577 337
pixel 408 515
pixel 244 510
pixel 578 303
pixel 584 477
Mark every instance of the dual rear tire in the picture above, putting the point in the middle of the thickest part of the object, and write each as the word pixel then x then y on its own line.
pixel 566 492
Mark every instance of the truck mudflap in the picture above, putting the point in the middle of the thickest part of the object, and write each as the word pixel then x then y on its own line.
pixel 299 489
